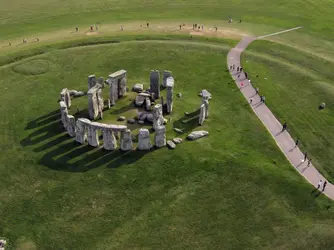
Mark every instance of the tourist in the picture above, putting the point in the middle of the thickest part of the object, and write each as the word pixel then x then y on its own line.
pixel 257 91
pixel 238 69
pixel 76 29
pixel 9 44
pixel 147 25
pixel 216 28
pixel 251 101
pixel 230 67
pixel 296 143
pixel 284 127
pixel 324 186
pixel 305 156
pixel 240 21
pixel 91 28
pixel 319 184
pixel 233 67
pixel 202 27
pixel 121 28
pixel 37 39
pixel 263 99
pixel 309 162
pixel 180 26
pixel 246 75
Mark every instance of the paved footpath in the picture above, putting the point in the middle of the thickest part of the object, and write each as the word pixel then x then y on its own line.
pixel 283 139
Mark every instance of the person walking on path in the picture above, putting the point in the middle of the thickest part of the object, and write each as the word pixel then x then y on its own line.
pixel 305 156
pixel 309 162
pixel 319 184
pixel 180 26
pixel 147 25
pixel 76 29
pixel 238 69
pixel 233 67
pixel 251 101
pixel 262 99
pixel 324 186
pixel 246 75
pixel 257 91
pixel 284 127
pixel 296 143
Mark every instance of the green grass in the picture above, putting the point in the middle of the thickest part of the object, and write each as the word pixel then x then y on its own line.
pixel 297 84
pixel 231 190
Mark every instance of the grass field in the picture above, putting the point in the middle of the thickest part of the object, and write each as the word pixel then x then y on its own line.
pixel 231 190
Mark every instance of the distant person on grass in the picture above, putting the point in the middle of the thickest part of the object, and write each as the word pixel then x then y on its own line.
pixel 147 25
pixel 309 162
pixel 257 91
pixel 284 127
pixel 296 143
pixel 305 156
pixel 76 29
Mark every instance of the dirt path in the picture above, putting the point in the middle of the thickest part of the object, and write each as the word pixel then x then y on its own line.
pixel 283 139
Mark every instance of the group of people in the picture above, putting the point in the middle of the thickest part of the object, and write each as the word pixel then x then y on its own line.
pixel 323 185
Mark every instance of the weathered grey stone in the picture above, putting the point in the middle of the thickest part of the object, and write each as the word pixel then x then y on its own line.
pixel 63 113
pixel 158 118
pixel 95 102
pixel 177 130
pixel 76 93
pixel 150 117
pixel 91 81
pixel 171 144
pixel 81 130
pixel 165 75
pixel 109 139
pixel 117 83
pixel 160 136
pixel 140 99
pixel 155 83
pixel 131 121
pixel 197 134
pixel 126 140
pixel 206 94
pixel 148 104
pixel 206 104
pixel 169 86
pixel 141 122
pixel 66 97
pixel 177 140
pixel 144 142
pixel 138 87
pixel 201 118
pixel 121 118
pixel 92 135
pixel 142 116
pixel 101 81
pixel 71 125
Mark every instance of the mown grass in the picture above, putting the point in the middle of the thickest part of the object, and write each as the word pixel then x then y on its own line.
pixel 233 189
pixel 297 83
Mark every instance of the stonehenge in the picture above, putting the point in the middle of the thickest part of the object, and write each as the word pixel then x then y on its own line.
pixel 160 136
pixel 155 83
pixel 126 140
pixel 204 108
pixel 95 102
pixel 91 81
pixel 117 82
pixel 201 118
pixel 169 97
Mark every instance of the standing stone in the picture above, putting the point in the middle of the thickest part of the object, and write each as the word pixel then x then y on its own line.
pixel 122 87
pixel 158 119
pixel 144 142
pixel 148 104
pixel 170 86
pixel 65 96
pixel 206 104
pixel 71 125
pixel 154 83
pixel 117 83
pixel 63 113
pixel 109 140
pixel 100 102
pixel 160 136
pixel 91 81
pixel 201 115
pixel 126 140
pixel 81 130
pixel 95 102
pixel 101 81
pixel 165 75
pixel 92 135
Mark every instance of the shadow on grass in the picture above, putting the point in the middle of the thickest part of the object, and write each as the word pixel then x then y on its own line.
pixel 187 122
pixel 123 109
pixel 43 120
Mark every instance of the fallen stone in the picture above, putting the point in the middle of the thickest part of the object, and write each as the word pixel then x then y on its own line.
pixel 179 95
pixel 138 88
pixel 165 121
pixel 121 118
pixel 141 122
pixel 177 130
pixel 131 121
pixel 186 113
pixel 148 104
pixel 150 117
pixel 171 144
pixel 79 93
pixel 140 99
pixel 177 140
pixel 197 134
pixel 142 116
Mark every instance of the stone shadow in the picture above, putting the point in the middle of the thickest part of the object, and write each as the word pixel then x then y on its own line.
pixel 122 109
pixel 188 122
pixel 43 120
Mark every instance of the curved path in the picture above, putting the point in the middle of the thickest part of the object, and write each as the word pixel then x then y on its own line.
pixel 283 139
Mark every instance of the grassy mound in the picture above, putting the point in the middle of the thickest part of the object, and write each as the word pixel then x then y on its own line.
pixel 233 189
pixel 33 67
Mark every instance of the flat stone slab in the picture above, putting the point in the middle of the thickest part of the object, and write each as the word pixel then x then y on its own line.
pixel 177 140
pixel 197 134
pixel 138 87
pixel 131 121
pixel 177 130
pixel 171 144
pixel 121 118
